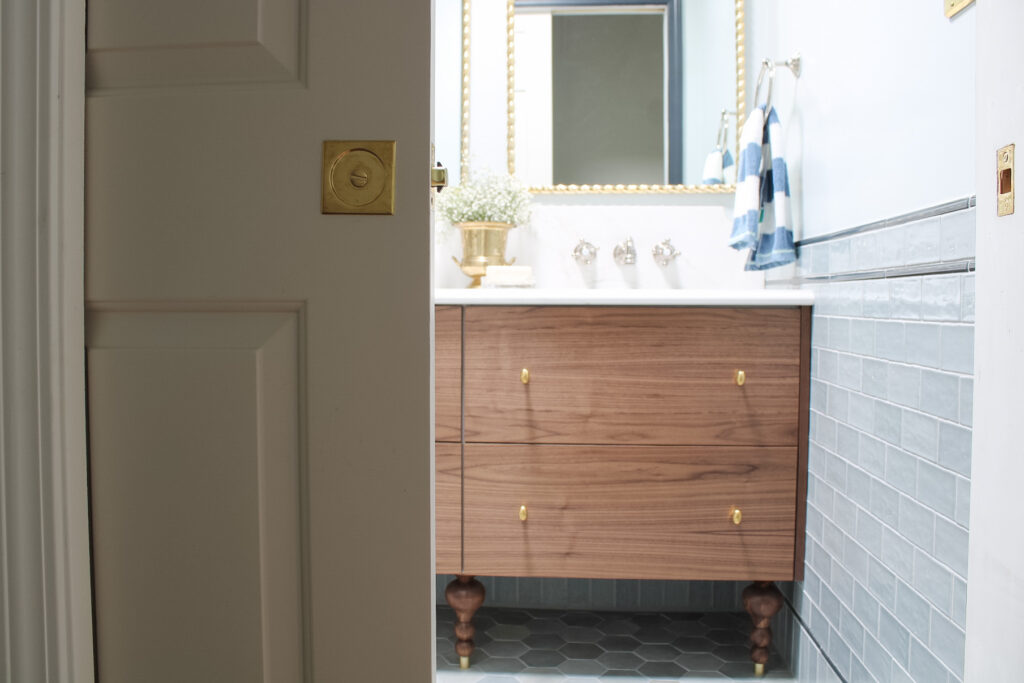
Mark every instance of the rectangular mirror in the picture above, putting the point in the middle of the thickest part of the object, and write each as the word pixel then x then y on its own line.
pixel 590 95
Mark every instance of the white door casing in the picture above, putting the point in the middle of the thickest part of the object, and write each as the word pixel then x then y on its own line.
pixel 259 374
pixel 45 594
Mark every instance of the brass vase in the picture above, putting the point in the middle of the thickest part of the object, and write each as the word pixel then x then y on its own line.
pixel 483 244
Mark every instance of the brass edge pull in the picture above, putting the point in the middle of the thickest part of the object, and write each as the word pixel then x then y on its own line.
pixel 522 513
pixel 524 376
pixel 737 516
pixel 741 378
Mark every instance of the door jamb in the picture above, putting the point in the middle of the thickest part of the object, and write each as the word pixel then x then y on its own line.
pixel 45 574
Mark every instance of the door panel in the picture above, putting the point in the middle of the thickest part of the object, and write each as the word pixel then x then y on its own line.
pixel 194 42
pixel 196 495
pixel 203 198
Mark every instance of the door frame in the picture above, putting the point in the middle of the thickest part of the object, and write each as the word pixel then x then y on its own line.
pixel 45 570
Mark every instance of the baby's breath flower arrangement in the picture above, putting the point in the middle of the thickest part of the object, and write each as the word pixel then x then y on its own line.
pixel 485 197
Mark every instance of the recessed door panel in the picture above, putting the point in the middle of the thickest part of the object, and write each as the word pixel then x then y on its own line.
pixel 195 476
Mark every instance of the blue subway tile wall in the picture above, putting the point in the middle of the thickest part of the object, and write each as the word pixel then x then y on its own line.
pixel 606 594
pixel 889 461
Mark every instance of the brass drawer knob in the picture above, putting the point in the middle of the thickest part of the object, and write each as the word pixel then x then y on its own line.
pixel 741 378
pixel 522 513
pixel 737 516
pixel 524 376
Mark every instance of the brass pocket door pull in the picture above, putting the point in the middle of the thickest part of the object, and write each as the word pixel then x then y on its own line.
pixel 737 516
pixel 522 513
pixel 524 376
pixel 741 378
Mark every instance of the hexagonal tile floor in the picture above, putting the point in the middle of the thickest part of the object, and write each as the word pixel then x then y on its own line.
pixel 528 646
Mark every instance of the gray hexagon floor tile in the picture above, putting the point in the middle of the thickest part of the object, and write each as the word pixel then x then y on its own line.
pixel 588 667
pixel 726 636
pixel 546 646
pixel 542 658
pixel 580 619
pixel 545 625
pixel 621 660
pixel 655 634
pixel 694 644
pixel 504 648
pixel 581 634
pixel 508 632
pixel 662 670
pixel 581 651
pixel 657 652
pixel 618 626
pixel 700 661
pixel 618 643
pixel 732 653
pixel 544 641
pixel 499 665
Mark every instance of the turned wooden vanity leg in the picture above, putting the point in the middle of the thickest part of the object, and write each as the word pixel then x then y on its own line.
pixel 762 600
pixel 465 595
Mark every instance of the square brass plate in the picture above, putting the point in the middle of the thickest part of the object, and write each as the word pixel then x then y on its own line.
pixel 358 176
pixel 954 7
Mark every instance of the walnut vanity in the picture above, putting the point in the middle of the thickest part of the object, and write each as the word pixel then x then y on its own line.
pixel 621 434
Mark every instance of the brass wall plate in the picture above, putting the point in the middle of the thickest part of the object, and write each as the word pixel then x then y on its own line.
pixel 954 7
pixel 1004 180
pixel 358 177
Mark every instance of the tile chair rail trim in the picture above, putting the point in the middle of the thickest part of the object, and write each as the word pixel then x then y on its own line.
pixel 964 265
pixel 920 214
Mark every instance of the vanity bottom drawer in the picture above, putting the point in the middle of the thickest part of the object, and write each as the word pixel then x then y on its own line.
pixel 641 512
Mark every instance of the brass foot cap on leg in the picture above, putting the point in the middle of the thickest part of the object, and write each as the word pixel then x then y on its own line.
pixel 464 662
pixel 758 669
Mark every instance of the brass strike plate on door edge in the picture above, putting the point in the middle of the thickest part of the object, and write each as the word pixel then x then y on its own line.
pixel 1004 181
pixel 358 177
pixel 955 7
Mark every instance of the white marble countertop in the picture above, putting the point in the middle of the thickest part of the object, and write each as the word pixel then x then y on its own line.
pixel 623 297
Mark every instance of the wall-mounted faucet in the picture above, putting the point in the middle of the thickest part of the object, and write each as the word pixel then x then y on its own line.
pixel 625 253
pixel 585 252
pixel 664 253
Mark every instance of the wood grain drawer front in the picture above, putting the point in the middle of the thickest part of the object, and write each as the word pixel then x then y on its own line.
pixel 448 507
pixel 629 511
pixel 640 375
pixel 448 373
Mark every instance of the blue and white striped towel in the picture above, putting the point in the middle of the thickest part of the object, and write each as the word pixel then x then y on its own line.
pixel 761 215
pixel 716 167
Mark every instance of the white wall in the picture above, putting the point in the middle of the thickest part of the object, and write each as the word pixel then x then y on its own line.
pixel 882 120
pixel 995 587
pixel 698 226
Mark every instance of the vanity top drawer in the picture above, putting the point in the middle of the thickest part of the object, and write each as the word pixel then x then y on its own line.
pixel 637 375
pixel 638 511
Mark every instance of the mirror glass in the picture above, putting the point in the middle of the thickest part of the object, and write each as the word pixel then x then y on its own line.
pixel 612 93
